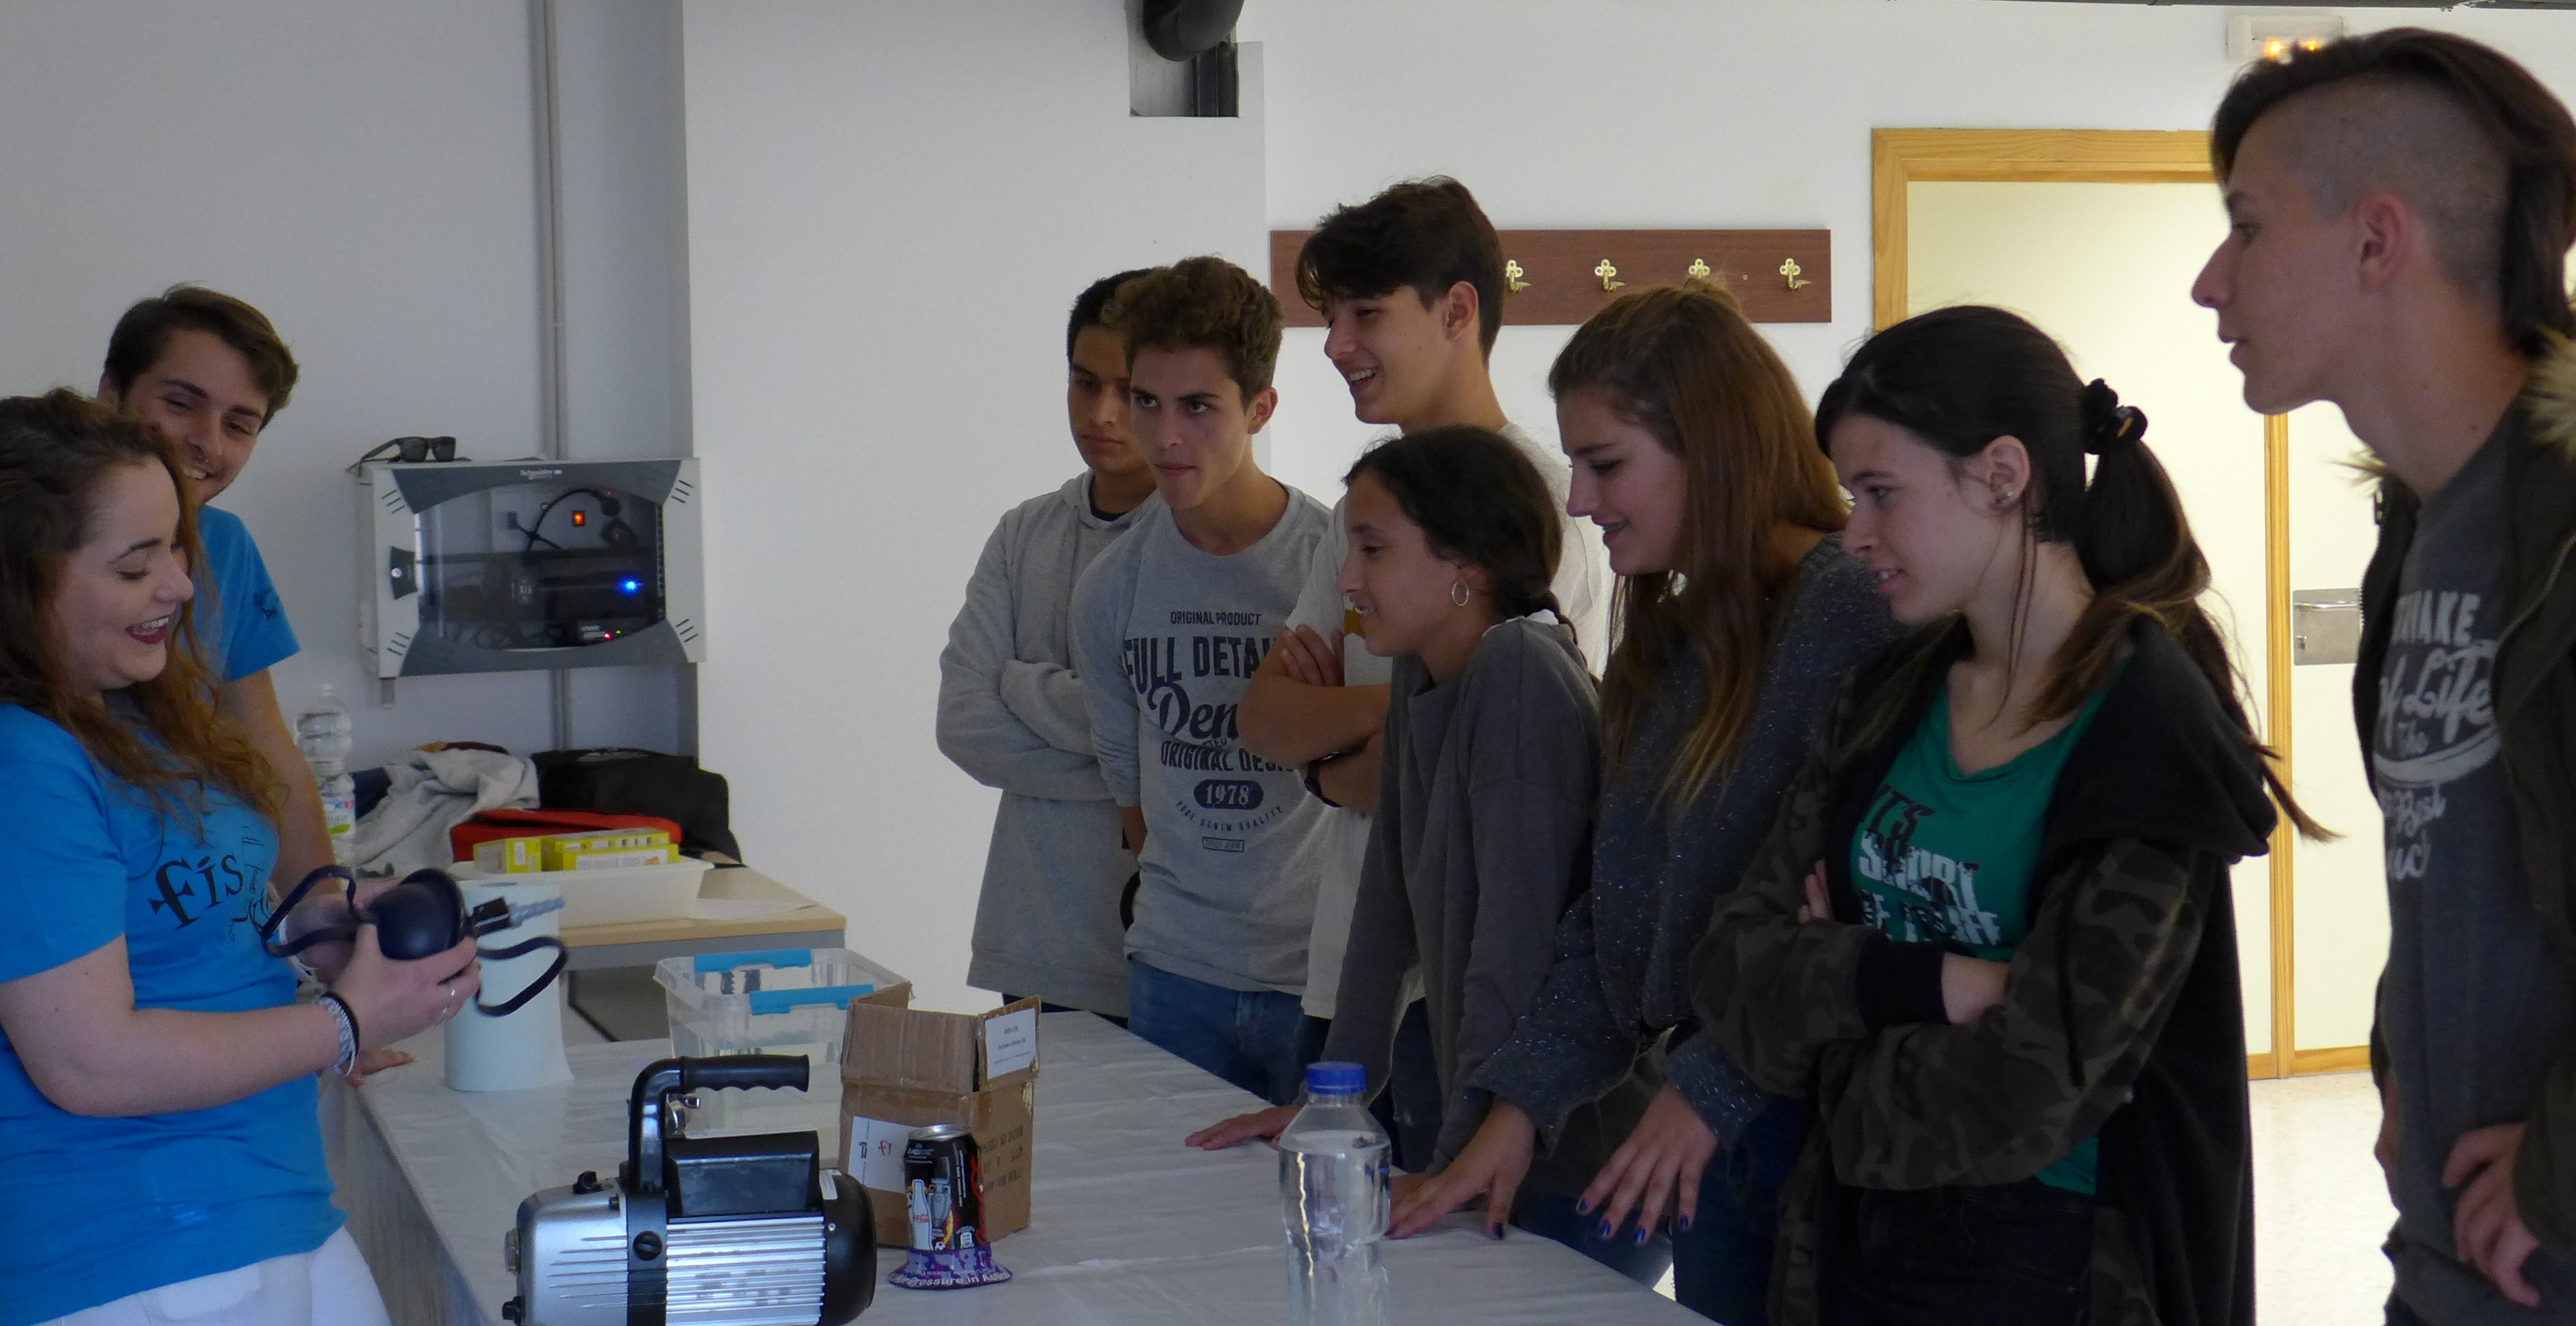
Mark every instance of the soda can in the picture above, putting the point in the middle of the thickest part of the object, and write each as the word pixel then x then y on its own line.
pixel 943 1184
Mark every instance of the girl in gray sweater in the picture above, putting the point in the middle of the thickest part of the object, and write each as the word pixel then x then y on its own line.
pixel 1488 772
pixel 1739 614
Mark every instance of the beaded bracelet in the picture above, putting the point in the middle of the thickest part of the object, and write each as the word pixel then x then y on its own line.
pixel 345 1021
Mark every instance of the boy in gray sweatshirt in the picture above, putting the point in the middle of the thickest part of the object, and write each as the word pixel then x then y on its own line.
pixel 1012 712
pixel 1171 622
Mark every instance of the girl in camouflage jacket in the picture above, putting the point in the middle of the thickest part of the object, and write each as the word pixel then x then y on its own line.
pixel 1991 937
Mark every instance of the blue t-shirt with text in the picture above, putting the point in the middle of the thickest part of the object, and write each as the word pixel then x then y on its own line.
pixel 240 620
pixel 92 1209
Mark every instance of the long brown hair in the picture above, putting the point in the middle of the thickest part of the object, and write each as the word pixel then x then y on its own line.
pixel 1683 363
pixel 55 452
pixel 1958 378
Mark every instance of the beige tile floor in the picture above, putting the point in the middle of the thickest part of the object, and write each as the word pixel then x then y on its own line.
pixel 2320 1206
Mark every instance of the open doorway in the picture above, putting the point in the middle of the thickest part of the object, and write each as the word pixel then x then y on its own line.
pixel 2096 236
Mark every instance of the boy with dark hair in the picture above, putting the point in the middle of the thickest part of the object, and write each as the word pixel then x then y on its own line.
pixel 1411 284
pixel 1012 711
pixel 1170 623
pixel 2402 206
pixel 210 371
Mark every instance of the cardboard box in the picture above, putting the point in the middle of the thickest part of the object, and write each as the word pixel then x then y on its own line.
pixel 903 1069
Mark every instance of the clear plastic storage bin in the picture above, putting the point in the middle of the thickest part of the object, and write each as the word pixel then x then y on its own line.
pixel 772 1001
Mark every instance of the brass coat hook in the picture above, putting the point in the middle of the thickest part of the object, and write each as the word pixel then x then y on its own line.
pixel 1512 274
pixel 1791 269
pixel 1699 269
pixel 1605 271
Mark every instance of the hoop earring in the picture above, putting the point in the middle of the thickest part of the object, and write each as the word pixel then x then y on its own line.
pixel 1459 593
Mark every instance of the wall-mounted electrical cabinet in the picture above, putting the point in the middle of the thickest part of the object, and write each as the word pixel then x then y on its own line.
pixel 503 566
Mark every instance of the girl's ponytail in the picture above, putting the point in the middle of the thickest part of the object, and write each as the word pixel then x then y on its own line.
pixel 1960 378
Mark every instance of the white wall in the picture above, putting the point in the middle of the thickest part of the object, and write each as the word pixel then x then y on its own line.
pixel 890 208
pixel 364 172
pixel 1704 113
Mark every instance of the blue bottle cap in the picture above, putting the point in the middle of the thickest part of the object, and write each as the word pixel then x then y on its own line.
pixel 1335 1078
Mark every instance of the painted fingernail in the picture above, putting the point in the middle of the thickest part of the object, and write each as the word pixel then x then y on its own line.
pixel 1609 1231
pixel 1583 1206
pixel 1642 1232
pixel 1497 1232
pixel 1685 1225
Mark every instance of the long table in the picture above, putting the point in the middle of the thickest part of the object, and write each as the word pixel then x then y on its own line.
pixel 1128 1227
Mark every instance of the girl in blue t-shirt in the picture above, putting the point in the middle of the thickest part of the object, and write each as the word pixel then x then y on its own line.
pixel 1990 937
pixel 160 1154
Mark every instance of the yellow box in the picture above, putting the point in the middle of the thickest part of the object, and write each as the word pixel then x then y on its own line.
pixel 609 847
pixel 510 856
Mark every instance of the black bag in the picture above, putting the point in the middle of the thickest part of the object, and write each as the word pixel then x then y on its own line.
pixel 641 782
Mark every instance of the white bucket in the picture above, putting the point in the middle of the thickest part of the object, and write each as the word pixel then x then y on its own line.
pixel 524 1049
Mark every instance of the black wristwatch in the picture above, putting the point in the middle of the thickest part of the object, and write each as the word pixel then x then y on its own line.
pixel 1315 778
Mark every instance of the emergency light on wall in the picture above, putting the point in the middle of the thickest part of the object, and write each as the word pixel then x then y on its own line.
pixel 2279 38
pixel 517 565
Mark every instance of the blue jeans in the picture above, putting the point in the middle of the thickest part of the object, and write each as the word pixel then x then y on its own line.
pixel 1550 1215
pixel 1259 1040
pixel 1722 1262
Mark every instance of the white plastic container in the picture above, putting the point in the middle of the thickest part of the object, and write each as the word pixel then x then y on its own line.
pixel 771 1001
pixel 522 1049
pixel 611 895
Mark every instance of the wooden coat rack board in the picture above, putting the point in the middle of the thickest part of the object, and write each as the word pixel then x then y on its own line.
pixel 1779 275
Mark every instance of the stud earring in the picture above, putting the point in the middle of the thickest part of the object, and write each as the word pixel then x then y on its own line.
pixel 1459 593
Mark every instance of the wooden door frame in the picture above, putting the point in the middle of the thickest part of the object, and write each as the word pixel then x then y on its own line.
pixel 1899 157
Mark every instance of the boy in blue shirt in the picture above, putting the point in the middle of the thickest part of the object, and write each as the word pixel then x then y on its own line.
pixel 210 371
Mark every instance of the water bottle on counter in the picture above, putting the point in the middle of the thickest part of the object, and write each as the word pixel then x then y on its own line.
pixel 323 733
pixel 1333 1194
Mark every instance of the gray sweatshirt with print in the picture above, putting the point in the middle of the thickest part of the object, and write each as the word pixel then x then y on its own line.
pixel 1012 714
pixel 1166 637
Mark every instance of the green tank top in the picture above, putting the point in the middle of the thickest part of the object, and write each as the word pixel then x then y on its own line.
pixel 1945 857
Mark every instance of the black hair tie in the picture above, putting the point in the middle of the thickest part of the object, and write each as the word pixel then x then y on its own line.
pixel 2109 425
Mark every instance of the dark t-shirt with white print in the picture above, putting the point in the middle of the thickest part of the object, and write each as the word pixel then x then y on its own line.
pixel 2475 1004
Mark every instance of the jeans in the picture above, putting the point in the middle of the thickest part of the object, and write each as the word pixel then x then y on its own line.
pixel 1259 1040
pixel 2013 1254
pixel 1722 1262
pixel 1550 1215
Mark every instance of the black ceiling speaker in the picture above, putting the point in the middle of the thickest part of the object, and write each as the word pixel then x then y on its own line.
pixel 1183 29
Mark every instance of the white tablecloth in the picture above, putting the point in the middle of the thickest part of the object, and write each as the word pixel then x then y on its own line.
pixel 1129 1227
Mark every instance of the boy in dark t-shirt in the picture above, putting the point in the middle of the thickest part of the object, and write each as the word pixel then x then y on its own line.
pixel 2401 208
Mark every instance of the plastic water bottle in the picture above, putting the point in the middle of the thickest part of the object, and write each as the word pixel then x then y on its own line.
pixel 323 733
pixel 1333 1194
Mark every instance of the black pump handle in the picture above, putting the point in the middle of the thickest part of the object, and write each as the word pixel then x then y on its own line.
pixel 746 1070
pixel 664 1078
